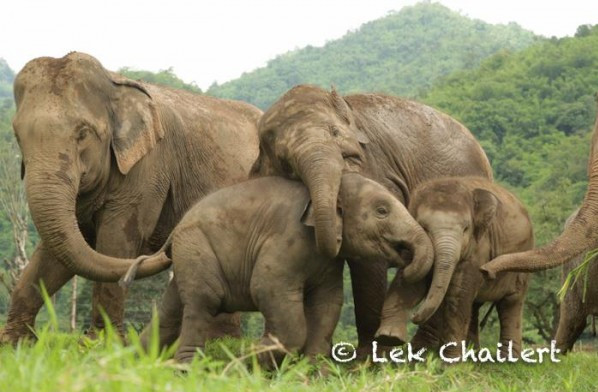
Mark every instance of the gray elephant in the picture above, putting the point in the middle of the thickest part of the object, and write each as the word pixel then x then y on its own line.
pixel 314 136
pixel 470 221
pixel 110 165
pixel 576 307
pixel 250 247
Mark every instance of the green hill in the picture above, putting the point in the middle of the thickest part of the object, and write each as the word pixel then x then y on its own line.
pixel 402 53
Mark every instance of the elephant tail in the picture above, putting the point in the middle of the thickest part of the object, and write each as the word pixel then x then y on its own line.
pixel 129 276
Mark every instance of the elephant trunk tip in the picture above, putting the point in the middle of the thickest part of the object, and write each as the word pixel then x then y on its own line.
pixel 488 272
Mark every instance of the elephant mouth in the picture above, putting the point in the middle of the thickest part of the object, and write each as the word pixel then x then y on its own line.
pixel 403 253
pixel 352 158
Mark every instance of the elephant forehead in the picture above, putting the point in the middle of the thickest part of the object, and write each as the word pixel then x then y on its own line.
pixel 436 216
pixel 356 187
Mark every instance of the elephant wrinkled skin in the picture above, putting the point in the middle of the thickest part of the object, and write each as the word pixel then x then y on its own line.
pixel 111 165
pixel 252 247
pixel 314 136
pixel 470 221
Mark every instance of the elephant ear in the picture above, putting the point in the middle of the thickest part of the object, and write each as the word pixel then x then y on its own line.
pixel 137 128
pixel 308 219
pixel 344 111
pixel 485 205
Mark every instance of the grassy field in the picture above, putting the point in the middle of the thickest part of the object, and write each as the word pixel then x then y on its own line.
pixel 67 362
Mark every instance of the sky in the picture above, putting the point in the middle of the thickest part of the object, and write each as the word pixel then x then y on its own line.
pixel 217 40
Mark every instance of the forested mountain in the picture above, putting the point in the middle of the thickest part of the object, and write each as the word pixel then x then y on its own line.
pixel 403 53
pixel 165 77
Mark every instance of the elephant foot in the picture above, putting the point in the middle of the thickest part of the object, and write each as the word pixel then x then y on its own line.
pixel 94 333
pixel 185 355
pixel 13 335
pixel 389 335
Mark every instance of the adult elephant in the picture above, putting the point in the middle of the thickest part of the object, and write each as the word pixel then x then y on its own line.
pixel 578 237
pixel 315 135
pixel 110 165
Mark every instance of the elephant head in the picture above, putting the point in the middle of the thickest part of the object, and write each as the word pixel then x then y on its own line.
pixel 74 121
pixel 455 217
pixel 371 223
pixel 311 134
pixel 579 236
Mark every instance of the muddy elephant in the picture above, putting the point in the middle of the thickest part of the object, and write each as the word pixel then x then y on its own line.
pixel 579 237
pixel 252 246
pixel 470 221
pixel 110 165
pixel 576 306
pixel 314 135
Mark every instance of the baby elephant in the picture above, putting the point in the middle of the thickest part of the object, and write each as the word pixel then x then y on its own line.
pixel 250 247
pixel 470 221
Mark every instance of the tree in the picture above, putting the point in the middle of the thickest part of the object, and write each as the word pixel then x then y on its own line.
pixel 14 206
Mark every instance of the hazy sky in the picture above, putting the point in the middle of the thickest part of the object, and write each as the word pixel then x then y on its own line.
pixel 206 41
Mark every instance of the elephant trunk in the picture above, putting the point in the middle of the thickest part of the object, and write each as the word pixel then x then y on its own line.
pixel 423 255
pixel 447 257
pixel 320 168
pixel 52 200
pixel 580 236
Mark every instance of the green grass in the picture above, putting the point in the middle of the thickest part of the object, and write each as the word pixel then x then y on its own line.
pixel 70 362
pixel 67 362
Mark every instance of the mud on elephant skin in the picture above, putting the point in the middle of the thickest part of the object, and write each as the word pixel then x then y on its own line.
pixel 314 135
pixel 470 221
pixel 110 166
pixel 577 305
pixel 252 247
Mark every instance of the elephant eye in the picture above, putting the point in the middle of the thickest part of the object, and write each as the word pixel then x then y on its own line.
pixel 334 131
pixel 381 211
pixel 82 133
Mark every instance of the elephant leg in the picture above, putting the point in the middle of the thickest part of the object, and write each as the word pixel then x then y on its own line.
pixel 368 281
pixel 285 320
pixel 473 334
pixel 450 323
pixel 510 315
pixel 323 305
pixel 170 317
pixel 572 322
pixel 201 290
pixel 198 315
pixel 400 300
pixel 117 235
pixel 26 299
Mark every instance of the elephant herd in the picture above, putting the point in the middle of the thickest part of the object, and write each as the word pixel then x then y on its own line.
pixel 260 211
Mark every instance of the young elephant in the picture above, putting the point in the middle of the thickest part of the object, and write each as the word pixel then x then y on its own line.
pixel 470 220
pixel 575 308
pixel 248 247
